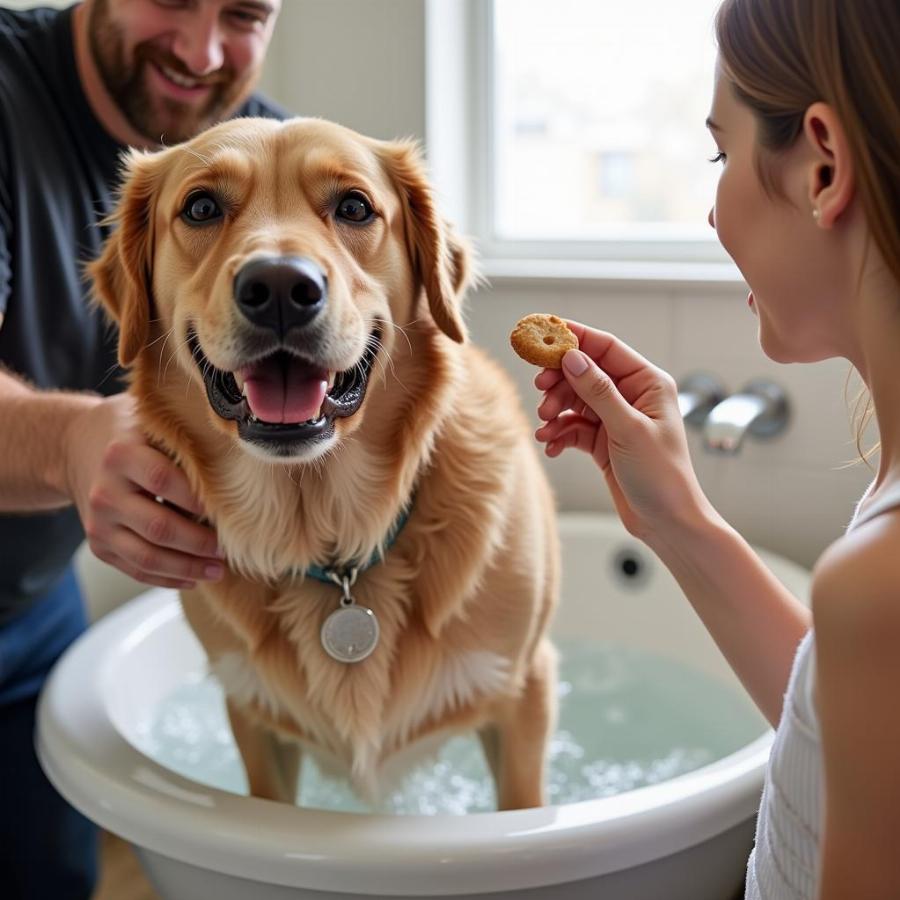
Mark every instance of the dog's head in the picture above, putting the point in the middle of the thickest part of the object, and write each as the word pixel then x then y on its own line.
pixel 275 259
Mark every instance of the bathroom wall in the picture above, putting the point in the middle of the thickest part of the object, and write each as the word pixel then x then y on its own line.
pixel 793 494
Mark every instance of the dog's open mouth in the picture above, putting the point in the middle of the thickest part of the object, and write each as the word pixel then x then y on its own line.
pixel 282 399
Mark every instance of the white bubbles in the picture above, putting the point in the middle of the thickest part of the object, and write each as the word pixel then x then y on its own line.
pixel 627 719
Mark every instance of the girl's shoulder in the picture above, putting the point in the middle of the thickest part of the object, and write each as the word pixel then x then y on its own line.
pixel 856 617
pixel 856 581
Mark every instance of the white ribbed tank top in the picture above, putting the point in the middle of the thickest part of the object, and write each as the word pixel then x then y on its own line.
pixel 785 859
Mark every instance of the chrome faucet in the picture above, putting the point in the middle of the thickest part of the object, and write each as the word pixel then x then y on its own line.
pixel 698 393
pixel 761 409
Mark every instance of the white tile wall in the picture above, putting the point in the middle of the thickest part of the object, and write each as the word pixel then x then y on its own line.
pixel 792 493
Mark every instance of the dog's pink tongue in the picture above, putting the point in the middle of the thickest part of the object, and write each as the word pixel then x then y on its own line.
pixel 283 389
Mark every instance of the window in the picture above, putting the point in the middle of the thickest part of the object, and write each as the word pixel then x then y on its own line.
pixel 594 144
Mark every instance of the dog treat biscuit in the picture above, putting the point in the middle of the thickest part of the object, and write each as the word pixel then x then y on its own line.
pixel 543 340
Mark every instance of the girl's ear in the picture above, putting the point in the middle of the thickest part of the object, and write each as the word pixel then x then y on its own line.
pixel 121 274
pixel 832 179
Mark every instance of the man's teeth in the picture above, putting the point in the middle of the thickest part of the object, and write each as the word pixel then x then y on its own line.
pixel 178 78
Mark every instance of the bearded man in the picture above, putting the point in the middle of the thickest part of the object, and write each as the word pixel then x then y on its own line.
pixel 76 87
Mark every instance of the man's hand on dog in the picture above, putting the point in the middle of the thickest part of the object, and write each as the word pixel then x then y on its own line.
pixel 136 504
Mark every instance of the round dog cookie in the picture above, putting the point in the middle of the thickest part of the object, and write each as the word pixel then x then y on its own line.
pixel 543 340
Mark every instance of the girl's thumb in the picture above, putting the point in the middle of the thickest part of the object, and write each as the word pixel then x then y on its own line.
pixel 595 388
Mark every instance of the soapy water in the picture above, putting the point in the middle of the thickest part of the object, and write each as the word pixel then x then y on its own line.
pixel 627 718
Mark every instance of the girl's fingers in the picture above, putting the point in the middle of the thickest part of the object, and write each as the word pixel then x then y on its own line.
pixel 628 370
pixel 559 397
pixel 571 430
pixel 545 379
pixel 617 379
pixel 599 392
pixel 614 356
pixel 551 430
pixel 583 436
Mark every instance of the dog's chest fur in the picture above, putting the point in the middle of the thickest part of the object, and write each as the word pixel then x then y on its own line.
pixel 361 717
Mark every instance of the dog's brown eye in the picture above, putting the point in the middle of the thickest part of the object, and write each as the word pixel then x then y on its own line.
pixel 355 208
pixel 200 208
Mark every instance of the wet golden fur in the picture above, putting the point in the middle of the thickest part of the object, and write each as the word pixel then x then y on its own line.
pixel 465 594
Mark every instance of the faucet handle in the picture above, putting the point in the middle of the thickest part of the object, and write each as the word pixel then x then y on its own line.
pixel 698 393
pixel 760 408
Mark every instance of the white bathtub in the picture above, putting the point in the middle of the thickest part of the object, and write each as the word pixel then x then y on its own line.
pixel 683 839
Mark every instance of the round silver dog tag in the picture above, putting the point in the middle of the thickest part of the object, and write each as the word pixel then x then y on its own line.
pixel 350 633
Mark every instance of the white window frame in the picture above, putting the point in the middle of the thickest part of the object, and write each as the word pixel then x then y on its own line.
pixel 461 141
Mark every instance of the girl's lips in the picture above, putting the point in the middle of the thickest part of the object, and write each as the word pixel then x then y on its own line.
pixel 750 299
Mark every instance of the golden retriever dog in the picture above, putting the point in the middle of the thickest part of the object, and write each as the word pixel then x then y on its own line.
pixel 289 307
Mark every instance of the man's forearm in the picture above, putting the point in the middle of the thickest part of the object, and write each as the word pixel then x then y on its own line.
pixel 33 429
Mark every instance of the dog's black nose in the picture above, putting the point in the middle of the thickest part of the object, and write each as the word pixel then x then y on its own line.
pixel 281 292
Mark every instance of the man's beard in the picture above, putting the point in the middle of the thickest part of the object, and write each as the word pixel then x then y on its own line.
pixel 160 120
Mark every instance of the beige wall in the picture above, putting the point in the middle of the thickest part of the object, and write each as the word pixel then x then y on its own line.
pixel 359 62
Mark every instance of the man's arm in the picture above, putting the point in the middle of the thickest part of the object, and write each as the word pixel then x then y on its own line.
pixel 33 426
pixel 58 448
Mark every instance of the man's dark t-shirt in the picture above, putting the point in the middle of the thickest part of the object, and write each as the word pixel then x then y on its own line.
pixel 58 174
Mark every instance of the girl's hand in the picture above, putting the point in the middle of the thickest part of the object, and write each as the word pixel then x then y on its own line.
pixel 612 403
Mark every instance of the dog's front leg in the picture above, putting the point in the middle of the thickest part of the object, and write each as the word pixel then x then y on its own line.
pixel 271 763
pixel 515 743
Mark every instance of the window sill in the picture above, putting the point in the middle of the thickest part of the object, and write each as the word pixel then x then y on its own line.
pixel 657 276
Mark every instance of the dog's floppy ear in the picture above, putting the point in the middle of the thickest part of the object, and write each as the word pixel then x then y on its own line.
pixel 442 259
pixel 121 274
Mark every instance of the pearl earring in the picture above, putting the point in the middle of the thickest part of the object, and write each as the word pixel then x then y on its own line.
pixel 816 214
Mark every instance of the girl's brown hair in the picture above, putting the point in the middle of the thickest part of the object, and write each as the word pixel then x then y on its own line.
pixel 782 56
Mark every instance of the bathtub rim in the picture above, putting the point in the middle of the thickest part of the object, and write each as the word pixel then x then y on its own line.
pixel 101 773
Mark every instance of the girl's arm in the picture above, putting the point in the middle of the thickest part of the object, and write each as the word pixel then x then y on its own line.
pixel 856 610
pixel 755 621
pixel 623 411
